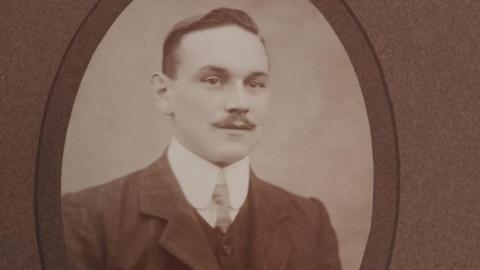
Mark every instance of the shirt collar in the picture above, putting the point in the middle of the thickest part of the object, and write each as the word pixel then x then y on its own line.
pixel 197 177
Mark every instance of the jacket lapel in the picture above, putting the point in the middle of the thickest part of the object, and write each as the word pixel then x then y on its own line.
pixel 161 196
pixel 271 246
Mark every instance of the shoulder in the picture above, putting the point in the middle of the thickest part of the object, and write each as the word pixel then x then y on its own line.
pixel 113 196
pixel 308 209
pixel 109 191
pixel 306 221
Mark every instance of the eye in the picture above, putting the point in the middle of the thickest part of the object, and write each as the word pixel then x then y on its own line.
pixel 256 84
pixel 212 80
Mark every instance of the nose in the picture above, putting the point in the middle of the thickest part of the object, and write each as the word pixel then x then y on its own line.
pixel 237 100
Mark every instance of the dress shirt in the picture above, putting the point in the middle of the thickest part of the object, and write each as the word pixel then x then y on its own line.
pixel 198 177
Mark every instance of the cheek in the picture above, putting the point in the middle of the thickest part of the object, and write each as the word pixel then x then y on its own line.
pixel 260 105
pixel 195 104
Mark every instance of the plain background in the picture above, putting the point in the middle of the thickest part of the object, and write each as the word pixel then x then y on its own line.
pixel 317 142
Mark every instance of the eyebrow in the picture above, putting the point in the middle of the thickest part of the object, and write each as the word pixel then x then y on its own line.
pixel 258 74
pixel 224 71
pixel 213 69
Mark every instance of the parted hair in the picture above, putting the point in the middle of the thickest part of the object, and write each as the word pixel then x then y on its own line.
pixel 214 18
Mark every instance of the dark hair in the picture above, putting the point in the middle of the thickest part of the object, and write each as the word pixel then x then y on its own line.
pixel 214 18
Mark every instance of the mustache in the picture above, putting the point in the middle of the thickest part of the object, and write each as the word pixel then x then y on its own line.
pixel 236 121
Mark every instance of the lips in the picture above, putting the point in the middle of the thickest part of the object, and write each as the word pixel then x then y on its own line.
pixel 238 122
pixel 241 126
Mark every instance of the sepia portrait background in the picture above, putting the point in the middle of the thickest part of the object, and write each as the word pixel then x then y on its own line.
pixel 317 140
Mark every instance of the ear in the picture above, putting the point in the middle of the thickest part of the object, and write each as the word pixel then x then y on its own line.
pixel 160 83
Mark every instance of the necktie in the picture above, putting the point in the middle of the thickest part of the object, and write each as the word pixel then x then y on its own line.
pixel 222 201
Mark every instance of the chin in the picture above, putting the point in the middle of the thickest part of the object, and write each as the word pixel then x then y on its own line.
pixel 232 153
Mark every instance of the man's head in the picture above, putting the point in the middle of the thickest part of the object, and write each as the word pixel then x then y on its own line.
pixel 215 84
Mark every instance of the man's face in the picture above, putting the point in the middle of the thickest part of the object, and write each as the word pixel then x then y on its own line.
pixel 220 95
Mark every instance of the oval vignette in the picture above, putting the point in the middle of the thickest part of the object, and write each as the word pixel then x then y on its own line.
pixel 89 35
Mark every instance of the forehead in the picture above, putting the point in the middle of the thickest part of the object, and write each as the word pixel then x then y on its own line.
pixel 230 47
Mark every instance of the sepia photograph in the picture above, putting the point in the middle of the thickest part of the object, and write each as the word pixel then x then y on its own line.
pixel 239 134
pixel 218 135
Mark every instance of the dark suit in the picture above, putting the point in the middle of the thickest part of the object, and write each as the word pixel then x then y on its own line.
pixel 143 221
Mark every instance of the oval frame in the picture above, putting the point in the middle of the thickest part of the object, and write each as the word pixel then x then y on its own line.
pixel 49 228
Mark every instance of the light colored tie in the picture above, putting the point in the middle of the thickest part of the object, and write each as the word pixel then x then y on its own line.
pixel 222 201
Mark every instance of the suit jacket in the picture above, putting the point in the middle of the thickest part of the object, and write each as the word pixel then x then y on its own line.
pixel 143 221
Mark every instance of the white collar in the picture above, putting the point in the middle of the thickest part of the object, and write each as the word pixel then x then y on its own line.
pixel 197 177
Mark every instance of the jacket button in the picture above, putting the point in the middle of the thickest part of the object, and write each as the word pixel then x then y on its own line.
pixel 227 250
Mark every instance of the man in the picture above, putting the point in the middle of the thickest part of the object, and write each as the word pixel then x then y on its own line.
pixel 200 206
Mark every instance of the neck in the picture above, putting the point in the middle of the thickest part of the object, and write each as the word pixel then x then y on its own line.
pixel 221 164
